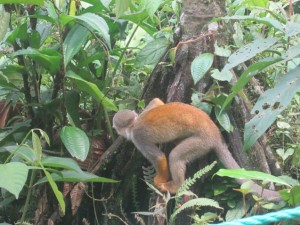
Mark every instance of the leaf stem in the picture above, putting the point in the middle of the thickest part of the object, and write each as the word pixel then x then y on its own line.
pixel 33 173
pixel 125 49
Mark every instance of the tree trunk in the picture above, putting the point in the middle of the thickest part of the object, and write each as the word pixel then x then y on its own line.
pixel 176 84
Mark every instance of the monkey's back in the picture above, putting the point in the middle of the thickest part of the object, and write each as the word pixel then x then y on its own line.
pixel 175 121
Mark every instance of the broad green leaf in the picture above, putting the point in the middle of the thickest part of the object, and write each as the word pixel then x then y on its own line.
pixel 97 23
pixel 246 76
pixel 13 177
pixel 249 51
pixel 192 203
pixel 16 128
pixel 34 39
pixel 74 42
pixel 11 77
pixel 33 2
pixel 224 75
pixel 200 65
pixel 76 142
pixel 223 119
pixel 152 52
pixel 292 29
pixel 37 146
pixel 285 154
pixel 24 152
pixel 72 99
pixel 222 51
pixel 291 53
pixel 260 3
pixel 100 5
pixel 74 176
pixel 4 22
pixel 93 91
pixel 252 175
pixel 60 162
pixel 121 7
pixel 59 196
pixel 270 104
pixel 48 58
pixel 264 20
pixel 19 33
pixel 237 212
pixel 151 6
pixel 291 196
pixel 138 18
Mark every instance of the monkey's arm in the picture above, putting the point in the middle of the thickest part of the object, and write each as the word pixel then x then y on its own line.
pixel 156 157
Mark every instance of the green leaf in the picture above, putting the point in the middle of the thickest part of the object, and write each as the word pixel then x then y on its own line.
pixel 48 58
pixel 33 2
pixel 121 6
pixel 151 6
pixel 76 142
pixel 13 177
pixel 73 42
pixel 285 154
pixel 152 52
pixel 60 162
pixel 291 196
pixel 200 65
pixel 59 196
pixel 74 176
pixel 92 90
pixel 97 23
pixel 36 146
pixel 24 152
pixel 264 20
pixel 137 18
pixel 223 119
pixel 222 51
pixel 270 104
pixel 237 212
pixel 72 99
pixel 249 51
pixel 11 77
pixel 4 22
pixel 292 29
pixel 224 75
pixel 246 76
pixel 252 175
pixel 34 39
pixel 195 202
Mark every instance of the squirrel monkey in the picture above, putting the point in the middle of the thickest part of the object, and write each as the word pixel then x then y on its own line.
pixel 194 133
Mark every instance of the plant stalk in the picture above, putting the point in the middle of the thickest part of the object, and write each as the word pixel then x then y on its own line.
pixel 33 173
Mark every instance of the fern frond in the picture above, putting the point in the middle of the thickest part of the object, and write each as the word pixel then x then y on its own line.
pixel 134 192
pixel 190 181
pixel 24 223
pixel 194 202
pixel 149 173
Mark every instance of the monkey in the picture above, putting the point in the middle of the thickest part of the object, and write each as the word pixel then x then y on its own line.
pixel 193 132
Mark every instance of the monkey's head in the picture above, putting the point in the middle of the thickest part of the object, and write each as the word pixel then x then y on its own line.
pixel 123 121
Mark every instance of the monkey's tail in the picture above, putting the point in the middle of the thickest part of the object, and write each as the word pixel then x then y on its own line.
pixel 225 156
pixel 229 162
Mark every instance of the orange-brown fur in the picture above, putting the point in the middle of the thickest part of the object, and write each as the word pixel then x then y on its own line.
pixel 194 133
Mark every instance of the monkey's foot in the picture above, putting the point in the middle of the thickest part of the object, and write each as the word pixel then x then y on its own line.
pixel 168 187
pixel 159 179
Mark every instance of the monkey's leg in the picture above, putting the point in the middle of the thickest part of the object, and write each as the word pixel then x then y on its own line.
pixel 186 151
pixel 157 158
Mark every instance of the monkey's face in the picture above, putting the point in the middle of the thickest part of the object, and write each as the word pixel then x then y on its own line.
pixel 123 121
